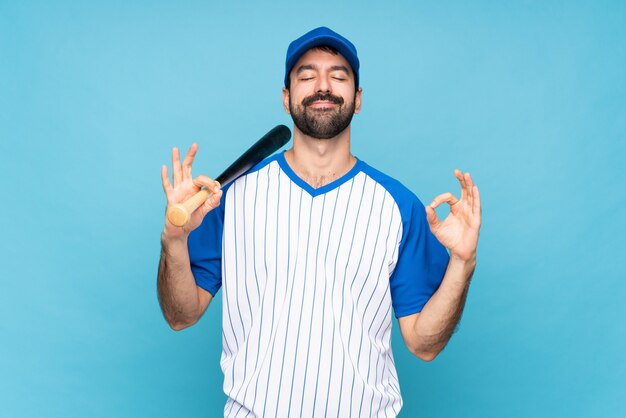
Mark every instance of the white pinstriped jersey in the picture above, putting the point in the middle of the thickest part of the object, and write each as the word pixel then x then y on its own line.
pixel 309 279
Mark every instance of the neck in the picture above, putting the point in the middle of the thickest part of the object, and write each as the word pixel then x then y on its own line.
pixel 320 161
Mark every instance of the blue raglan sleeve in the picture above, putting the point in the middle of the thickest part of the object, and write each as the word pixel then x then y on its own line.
pixel 205 250
pixel 422 260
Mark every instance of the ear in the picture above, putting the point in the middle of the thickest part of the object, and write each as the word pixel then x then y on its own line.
pixel 357 100
pixel 286 100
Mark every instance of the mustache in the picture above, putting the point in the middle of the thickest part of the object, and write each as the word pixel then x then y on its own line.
pixel 327 97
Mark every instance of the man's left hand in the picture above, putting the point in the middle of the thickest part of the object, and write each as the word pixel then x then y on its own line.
pixel 459 231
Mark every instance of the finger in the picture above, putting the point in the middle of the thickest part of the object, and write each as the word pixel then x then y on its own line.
pixel 165 180
pixel 207 182
pixel 188 161
pixel 459 175
pixel 176 171
pixel 214 199
pixel 431 217
pixel 211 203
pixel 470 186
pixel 476 207
pixel 444 197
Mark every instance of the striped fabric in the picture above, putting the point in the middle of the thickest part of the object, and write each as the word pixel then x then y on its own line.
pixel 307 295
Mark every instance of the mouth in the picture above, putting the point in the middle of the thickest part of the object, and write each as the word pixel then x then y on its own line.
pixel 322 104
pixel 322 101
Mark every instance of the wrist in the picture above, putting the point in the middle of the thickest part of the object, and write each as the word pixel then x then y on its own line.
pixel 465 265
pixel 170 236
pixel 467 259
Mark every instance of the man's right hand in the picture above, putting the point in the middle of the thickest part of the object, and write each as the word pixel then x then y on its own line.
pixel 184 186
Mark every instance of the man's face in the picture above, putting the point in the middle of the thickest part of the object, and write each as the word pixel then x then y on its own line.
pixel 322 98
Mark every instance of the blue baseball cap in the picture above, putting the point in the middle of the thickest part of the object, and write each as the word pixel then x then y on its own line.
pixel 317 37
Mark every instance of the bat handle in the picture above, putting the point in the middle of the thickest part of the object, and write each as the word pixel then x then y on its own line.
pixel 179 214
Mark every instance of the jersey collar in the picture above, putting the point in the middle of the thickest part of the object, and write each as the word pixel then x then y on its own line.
pixel 282 162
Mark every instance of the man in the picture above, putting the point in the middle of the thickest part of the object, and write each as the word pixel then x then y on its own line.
pixel 313 248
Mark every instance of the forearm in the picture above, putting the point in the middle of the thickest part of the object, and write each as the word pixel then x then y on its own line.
pixel 438 319
pixel 177 290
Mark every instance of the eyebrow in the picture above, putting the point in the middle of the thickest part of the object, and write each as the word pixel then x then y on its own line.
pixel 313 67
pixel 304 68
pixel 340 68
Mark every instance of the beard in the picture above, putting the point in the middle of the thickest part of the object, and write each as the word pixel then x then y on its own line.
pixel 322 123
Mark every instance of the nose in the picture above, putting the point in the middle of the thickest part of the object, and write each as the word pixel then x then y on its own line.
pixel 323 84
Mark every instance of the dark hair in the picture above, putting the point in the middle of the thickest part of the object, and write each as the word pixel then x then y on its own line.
pixel 324 48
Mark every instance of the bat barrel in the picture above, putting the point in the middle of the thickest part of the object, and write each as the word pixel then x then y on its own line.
pixel 264 147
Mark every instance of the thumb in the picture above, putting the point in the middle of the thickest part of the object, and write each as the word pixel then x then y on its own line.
pixel 211 203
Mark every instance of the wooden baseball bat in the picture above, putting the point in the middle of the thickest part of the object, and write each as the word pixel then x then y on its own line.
pixel 179 214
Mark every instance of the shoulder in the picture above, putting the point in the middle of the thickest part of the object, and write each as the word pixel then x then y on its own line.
pixel 406 200
pixel 263 164
pixel 254 171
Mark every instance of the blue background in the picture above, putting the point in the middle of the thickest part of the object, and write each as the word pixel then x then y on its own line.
pixel 529 96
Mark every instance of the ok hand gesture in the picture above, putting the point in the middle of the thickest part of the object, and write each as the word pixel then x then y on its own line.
pixel 184 187
pixel 459 231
